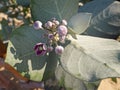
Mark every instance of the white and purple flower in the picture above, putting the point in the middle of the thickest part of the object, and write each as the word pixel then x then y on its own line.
pixel 40 49
pixel 55 32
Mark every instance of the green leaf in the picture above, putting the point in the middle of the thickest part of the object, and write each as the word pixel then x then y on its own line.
pixel 25 3
pixel 20 53
pixel 106 23
pixel 79 22
pixel 95 6
pixel 91 58
pixel 68 81
pixel 5 30
pixel 44 10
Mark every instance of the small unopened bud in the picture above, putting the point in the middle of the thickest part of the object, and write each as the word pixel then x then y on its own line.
pixel 37 25
pixel 59 50
pixel 50 36
pixel 56 22
pixel 64 22
pixel 48 25
pixel 50 48
pixel 62 30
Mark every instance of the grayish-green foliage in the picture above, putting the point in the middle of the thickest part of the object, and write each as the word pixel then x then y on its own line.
pixel 95 6
pixel 65 79
pixel 79 22
pixel 106 19
pixel 5 30
pixel 71 82
pixel 90 58
pixel 85 58
pixel 23 2
pixel 21 55
pixel 44 10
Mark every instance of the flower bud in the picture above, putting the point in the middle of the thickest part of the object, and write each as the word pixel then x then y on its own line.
pixel 37 25
pixel 62 30
pixel 48 25
pixel 64 22
pixel 50 36
pixel 50 48
pixel 40 49
pixel 59 50
pixel 56 22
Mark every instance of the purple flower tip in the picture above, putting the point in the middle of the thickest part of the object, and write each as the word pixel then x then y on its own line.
pixel 50 36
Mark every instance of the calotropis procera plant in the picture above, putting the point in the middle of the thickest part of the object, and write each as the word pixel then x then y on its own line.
pixel 85 59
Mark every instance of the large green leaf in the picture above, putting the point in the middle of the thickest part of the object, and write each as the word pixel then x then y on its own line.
pixel 79 22
pixel 91 58
pixel 95 6
pixel 20 53
pixel 5 30
pixel 44 10
pixel 106 22
pixel 65 79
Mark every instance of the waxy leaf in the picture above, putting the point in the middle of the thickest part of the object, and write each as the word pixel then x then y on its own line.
pixel 44 10
pixel 21 55
pixel 72 83
pixel 65 79
pixel 91 58
pixel 95 6
pixel 105 21
pixel 79 22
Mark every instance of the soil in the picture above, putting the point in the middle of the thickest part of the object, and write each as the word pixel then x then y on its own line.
pixel 109 84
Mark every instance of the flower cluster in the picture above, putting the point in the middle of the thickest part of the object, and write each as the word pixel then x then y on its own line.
pixel 55 32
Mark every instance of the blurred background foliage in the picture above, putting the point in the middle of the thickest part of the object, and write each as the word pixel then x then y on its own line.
pixel 14 13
